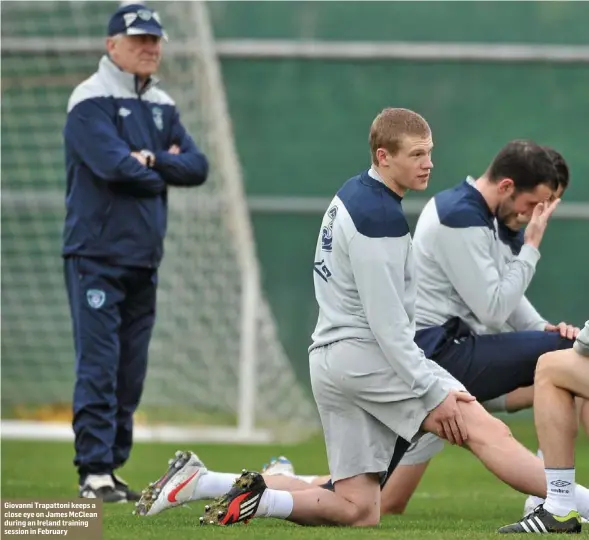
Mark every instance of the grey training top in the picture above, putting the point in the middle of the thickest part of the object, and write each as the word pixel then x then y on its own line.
pixel 460 267
pixel 364 280
pixel 582 342
pixel 525 316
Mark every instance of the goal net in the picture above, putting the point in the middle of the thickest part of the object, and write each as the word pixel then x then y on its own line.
pixel 217 369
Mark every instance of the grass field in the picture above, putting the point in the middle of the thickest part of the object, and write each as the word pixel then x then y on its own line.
pixel 457 499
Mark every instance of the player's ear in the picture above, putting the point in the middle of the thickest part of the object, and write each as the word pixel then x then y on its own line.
pixel 110 44
pixel 381 156
pixel 506 186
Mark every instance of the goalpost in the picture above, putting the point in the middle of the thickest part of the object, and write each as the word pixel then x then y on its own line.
pixel 217 369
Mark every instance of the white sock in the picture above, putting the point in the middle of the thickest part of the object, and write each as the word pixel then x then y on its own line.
pixel 306 478
pixel 560 489
pixel 582 500
pixel 213 484
pixel 275 504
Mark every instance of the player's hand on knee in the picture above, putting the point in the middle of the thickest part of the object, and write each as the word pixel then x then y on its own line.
pixel 538 223
pixel 446 419
pixel 566 330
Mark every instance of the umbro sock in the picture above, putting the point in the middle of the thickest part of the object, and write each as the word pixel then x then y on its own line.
pixel 560 489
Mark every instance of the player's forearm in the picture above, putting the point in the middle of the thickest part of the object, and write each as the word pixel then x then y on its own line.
pixel 379 270
pixel 525 317
pixel 185 170
pixel 506 295
pixel 130 171
pixel 466 256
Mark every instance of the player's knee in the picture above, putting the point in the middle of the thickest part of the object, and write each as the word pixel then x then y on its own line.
pixel 554 369
pixel 485 428
pixel 364 515
pixel 546 369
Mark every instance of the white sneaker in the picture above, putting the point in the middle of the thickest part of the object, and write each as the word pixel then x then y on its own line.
pixel 101 486
pixel 532 502
pixel 174 488
pixel 281 465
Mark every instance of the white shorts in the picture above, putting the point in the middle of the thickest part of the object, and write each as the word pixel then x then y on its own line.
pixel 423 450
pixel 365 407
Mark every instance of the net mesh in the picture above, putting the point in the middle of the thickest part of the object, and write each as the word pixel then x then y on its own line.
pixel 195 348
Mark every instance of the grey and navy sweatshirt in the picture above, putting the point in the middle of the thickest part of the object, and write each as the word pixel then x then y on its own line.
pixel 461 267
pixel 364 277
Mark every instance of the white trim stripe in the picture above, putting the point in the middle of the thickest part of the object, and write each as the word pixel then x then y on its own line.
pixel 533 525
pixel 541 525
pixel 248 508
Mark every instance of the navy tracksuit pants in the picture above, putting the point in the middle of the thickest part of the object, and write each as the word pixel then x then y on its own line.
pixel 113 313
pixel 492 365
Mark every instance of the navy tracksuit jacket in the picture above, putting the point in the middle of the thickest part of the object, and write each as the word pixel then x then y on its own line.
pixel 113 244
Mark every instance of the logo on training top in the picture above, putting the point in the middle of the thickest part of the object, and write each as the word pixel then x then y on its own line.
pixel 327 230
pixel 95 298
pixel 158 118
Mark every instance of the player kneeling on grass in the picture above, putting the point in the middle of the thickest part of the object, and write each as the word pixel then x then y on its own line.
pixel 560 376
pixel 369 378
pixel 396 494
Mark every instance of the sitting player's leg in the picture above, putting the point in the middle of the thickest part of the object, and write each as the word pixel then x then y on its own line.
pixel 494 365
pixel 492 442
pixel 406 477
pixel 583 408
pixel 559 377
pixel 520 399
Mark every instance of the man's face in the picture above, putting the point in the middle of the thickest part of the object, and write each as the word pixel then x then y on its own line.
pixel 514 203
pixel 410 167
pixel 139 54
pixel 516 222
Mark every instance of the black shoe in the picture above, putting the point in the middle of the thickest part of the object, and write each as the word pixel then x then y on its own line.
pixel 540 521
pixel 239 504
pixel 123 487
pixel 101 486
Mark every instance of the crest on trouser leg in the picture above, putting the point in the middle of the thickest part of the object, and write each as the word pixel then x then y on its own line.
pixel 95 298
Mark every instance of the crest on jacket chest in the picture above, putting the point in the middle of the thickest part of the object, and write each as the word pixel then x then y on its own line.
pixel 158 117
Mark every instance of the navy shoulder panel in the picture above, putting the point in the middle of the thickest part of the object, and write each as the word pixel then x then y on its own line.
pixel 463 206
pixel 513 239
pixel 375 209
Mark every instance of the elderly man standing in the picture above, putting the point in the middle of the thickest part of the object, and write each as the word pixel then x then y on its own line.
pixel 124 146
